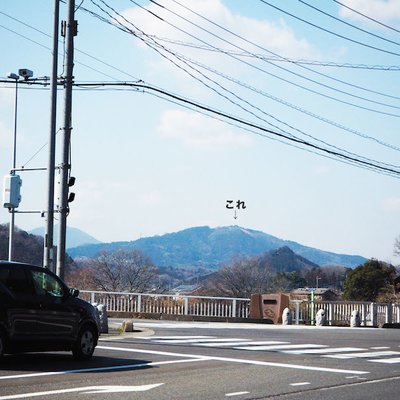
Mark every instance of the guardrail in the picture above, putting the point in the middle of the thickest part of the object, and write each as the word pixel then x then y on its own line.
pixel 304 312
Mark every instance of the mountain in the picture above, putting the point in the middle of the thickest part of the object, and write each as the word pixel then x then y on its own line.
pixel 285 260
pixel 213 247
pixel 75 237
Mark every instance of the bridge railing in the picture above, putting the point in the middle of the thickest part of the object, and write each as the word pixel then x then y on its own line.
pixel 303 312
pixel 150 303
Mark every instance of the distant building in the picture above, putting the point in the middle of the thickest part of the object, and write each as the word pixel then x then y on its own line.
pixel 320 294
pixel 184 289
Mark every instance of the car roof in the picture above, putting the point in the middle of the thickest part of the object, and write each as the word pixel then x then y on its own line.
pixel 4 263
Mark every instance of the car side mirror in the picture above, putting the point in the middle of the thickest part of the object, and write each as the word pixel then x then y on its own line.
pixel 74 292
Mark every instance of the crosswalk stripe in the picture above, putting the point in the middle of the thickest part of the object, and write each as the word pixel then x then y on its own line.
pixel 393 360
pixel 197 341
pixel 370 354
pixel 323 351
pixel 341 353
pixel 174 337
pixel 282 347
pixel 248 343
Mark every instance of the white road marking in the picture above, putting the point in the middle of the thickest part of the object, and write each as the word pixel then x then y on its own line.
pixel 84 390
pixel 300 384
pixel 370 354
pixel 196 341
pixel 249 343
pixel 174 337
pixel 394 360
pixel 236 360
pixel 324 351
pixel 236 394
pixel 99 369
pixel 283 347
pixel 379 348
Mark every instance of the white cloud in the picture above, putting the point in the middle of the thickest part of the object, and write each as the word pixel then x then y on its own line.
pixel 381 10
pixel 199 131
pixel 274 35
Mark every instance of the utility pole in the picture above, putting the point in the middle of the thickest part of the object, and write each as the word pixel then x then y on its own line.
pixel 12 211
pixel 48 257
pixel 70 30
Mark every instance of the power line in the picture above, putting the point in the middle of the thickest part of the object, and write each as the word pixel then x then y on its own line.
pixel 348 23
pixel 269 73
pixel 278 57
pixel 295 107
pixel 260 129
pixel 330 64
pixel 367 17
pixel 76 49
pixel 141 38
pixel 231 93
pixel 330 32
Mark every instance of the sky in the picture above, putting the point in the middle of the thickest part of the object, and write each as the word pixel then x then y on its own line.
pixel 293 85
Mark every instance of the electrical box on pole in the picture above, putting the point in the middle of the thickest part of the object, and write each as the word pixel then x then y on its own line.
pixel 12 191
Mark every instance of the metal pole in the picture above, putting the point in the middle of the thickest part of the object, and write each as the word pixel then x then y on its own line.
pixel 65 165
pixel 12 214
pixel 48 261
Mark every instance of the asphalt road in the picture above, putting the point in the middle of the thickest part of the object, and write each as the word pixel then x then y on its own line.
pixel 203 361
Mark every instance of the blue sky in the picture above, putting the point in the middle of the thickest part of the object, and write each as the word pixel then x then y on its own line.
pixel 147 166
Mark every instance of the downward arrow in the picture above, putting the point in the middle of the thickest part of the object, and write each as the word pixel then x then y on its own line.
pixel 235 216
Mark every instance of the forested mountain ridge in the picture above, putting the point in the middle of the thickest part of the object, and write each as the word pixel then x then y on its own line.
pixel 214 247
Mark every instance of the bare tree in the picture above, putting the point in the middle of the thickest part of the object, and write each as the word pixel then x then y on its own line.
pixel 126 270
pixel 139 274
pixel 241 279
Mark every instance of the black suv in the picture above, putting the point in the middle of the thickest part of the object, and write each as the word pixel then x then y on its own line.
pixel 39 313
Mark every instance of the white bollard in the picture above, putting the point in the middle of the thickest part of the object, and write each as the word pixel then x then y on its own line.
pixel 355 320
pixel 321 318
pixel 287 317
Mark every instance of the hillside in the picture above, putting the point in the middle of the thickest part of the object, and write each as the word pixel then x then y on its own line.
pixel 213 247
pixel 75 237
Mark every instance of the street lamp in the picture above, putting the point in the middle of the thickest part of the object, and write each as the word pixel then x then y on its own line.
pixel 13 181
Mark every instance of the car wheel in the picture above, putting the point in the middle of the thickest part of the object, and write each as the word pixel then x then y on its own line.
pixel 85 344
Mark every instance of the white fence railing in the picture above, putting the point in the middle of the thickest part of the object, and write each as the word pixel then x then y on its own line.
pixel 304 312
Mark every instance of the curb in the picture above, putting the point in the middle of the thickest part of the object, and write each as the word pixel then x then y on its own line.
pixel 114 333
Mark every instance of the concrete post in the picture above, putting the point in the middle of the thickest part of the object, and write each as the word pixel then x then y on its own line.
pixel 286 317
pixel 355 320
pixel 374 314
pixel 321 318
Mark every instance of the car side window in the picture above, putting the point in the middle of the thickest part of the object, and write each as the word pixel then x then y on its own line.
pixel 16 280
pixel 46 284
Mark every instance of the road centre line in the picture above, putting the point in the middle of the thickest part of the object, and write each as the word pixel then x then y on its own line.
pixel 236 360
pixel 99 369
